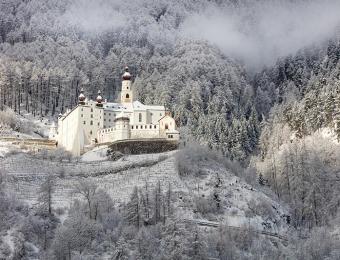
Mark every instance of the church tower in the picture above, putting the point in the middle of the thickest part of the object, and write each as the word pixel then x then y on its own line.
pixel 126 94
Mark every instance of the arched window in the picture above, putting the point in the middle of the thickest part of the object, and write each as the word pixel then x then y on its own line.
pixel 140 117
pixel 127 96
pixel 166 126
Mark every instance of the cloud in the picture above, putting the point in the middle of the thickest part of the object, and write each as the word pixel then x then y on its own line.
pixel 263 31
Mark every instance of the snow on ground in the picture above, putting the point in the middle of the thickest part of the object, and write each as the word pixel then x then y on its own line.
pixel 26 173
pixel 118 178
pixel 4 149
pixel 97 154
pixel 243 205
pixel 327 133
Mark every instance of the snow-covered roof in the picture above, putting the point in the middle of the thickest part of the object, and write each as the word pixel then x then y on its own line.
pixel 136 105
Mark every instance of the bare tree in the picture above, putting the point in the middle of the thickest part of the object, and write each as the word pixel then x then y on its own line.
pixel 88 191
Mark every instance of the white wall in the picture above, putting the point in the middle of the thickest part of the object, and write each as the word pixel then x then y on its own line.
pixel 69 134
pixel 120 131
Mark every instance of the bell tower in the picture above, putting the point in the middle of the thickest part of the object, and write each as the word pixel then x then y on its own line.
pixel 126 93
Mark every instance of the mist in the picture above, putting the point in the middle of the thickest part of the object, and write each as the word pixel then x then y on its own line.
pixel 264 31
pixel 94 16
pixel 254 32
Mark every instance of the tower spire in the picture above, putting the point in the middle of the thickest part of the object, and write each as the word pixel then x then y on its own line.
pixel 126 93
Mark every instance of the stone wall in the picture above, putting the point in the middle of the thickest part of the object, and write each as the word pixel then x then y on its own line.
pixel 143 146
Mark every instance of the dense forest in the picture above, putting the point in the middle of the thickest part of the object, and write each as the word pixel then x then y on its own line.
pixel 270 119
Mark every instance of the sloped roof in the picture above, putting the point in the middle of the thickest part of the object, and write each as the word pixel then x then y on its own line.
pixel 136 105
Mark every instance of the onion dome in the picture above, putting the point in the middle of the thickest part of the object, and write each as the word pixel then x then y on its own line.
pixel 81 96
pixel 99 98
pixel 126 75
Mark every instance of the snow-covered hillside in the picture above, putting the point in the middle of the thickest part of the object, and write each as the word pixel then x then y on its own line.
pixel 242 204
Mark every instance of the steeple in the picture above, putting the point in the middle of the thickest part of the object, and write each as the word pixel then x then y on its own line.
pixel 81 98
pixel 126 93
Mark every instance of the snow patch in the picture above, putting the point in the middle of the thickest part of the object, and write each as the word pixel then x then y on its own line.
pixel 97 154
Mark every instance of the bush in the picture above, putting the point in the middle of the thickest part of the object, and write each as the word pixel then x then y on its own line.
pixel 8 118
pixel 114 155
pixel 58 154
pixel 261 208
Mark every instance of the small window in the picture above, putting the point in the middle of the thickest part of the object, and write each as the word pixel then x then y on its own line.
pixel 104 120
pixel 131 127
pixel 91 109
pixel 150 126
pixel 141 127
pixel 155 126
pixel 98 123
pixel 90 132
pixel 82 115
pixel 136 126
pixel 109 120
pixel 84 122
pixel 127 96
pixel 140 117
pixel 166 126
pixel 82 109
pixel 160 114
pixel 91 116
pixel 104 114
pixel 91 123
pixel 109 114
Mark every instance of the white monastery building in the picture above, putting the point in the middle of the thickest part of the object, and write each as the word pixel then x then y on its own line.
pixel 95 122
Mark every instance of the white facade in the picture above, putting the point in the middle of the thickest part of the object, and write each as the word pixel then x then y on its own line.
pixel 103 122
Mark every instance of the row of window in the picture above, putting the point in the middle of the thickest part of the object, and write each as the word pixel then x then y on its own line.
pixel 145 127
pixel 91 123
pixel 110 114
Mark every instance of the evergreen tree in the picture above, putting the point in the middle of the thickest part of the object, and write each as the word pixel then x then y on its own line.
pixel 132 211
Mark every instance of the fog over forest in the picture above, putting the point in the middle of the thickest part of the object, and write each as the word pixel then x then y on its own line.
pixel 256 32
